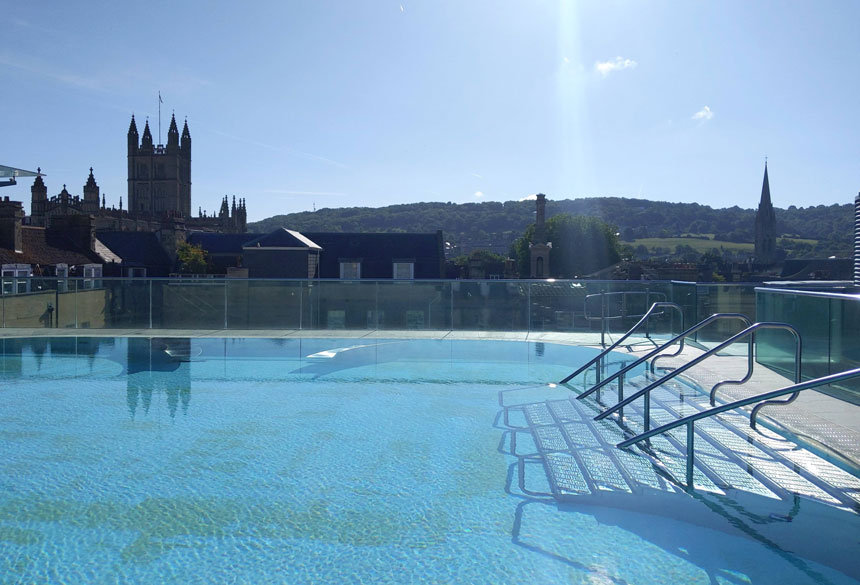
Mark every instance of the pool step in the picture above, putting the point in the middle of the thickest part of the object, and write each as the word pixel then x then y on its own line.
pixel 580 457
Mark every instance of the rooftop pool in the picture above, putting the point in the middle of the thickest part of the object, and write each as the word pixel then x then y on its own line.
pixel 298 460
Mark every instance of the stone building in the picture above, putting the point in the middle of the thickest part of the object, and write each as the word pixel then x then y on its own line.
pixel 539 248
pixel 159 191
pixel 159 177
pixel 765 226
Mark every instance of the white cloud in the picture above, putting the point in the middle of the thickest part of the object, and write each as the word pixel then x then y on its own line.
pixel 530 197
pixel 478 194
pixel 704 114
pixel 607 67
pixel 477 175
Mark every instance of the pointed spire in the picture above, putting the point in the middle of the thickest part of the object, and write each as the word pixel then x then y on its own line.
pixel 172 134
pixel 132 137
pixel 146 140
pixel 765 188
pixel 91 181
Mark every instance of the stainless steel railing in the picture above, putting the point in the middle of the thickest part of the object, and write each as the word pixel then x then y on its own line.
pixel 761 399
pixel 679 339
pixel 646 391
pixel 653 310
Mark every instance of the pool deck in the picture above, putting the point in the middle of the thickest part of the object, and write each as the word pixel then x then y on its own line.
pixel 814 417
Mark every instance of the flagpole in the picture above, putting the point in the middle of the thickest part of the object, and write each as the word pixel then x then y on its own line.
pixel 159 118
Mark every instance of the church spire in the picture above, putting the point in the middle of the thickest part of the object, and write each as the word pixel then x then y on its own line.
pixel 765 225
pixel 765 188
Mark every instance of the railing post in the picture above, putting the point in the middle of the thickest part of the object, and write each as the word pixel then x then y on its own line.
pixel 690 456
pixel 647 305
pixel 647 424
pixel 621 396
pixel 603 318
pixel 529 306
pixel 150 303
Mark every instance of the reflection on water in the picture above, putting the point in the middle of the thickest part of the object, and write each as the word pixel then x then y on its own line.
pixel 158 364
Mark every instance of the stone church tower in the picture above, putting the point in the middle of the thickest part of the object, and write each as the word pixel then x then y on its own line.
pixel 539 248
pixel 765 226
pixel 159 177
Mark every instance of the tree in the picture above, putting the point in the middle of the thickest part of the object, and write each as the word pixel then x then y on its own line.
pixel 580 245
pixel 192 259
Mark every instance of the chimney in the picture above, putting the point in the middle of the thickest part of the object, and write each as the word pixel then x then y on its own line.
pixel 11 218
pixel 540 220
pixel 79 229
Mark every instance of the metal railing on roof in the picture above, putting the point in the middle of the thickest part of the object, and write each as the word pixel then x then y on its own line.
pixel 761 399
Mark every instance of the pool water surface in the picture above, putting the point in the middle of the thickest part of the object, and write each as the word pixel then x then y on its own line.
pixel 137 460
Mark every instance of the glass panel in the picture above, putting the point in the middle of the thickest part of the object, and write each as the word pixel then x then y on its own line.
pixel 845 343
pixel 415 305
pixel 347 305
pixel 490 305
pixel 555 306
pixel 263 304
pixel 188 303
pixel 125 302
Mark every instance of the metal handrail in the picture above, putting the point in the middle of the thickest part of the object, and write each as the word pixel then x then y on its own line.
pixel 763 399
pixel 646 391
pixel 644 318
pixel 679 338
pixel 603 318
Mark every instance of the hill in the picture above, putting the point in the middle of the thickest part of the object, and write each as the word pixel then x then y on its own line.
pixel 471 224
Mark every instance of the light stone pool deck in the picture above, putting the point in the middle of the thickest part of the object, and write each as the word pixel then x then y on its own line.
pixel 815 417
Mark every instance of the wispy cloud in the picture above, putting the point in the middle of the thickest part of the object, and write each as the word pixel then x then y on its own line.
pixel 619 64
pixel 478 194
pixel 284 149
pixel 312 193
pixel 704 114
pixel 477 175
pixel 43 70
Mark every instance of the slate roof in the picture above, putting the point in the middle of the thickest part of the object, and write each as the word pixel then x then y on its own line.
pixel 833 268
pixel 47 249
pixel 377 251
pixel 220 243
pixel 282 238
pixel 136 248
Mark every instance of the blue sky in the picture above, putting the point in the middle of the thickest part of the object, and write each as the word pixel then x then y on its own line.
pixel 293 104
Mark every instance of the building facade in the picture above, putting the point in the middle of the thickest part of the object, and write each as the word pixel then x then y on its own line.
pixel 159 177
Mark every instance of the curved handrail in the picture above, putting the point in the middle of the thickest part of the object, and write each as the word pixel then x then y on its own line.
pixel 763 399
pixel 644 318
pixel 679 338
pixel 751 365
pixel 647 389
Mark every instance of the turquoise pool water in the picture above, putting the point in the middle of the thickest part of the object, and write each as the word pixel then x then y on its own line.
pixel 314 461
